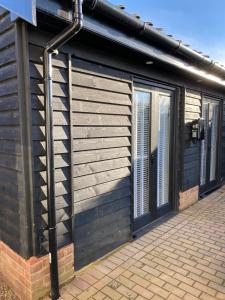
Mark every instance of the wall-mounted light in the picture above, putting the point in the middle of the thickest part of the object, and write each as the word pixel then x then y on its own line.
pixel 149 62
pixel 198 130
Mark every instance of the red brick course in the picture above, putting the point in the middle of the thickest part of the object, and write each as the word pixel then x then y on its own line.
pixel 180 258
pixel 30 279
pixel 188 197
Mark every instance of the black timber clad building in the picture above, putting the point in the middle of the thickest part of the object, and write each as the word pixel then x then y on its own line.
pixel 124 103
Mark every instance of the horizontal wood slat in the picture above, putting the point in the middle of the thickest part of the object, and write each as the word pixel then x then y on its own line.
pixel 191 159
pixel 100 143
pixel 101 189
pixel 192 108
pixel 83 66
pixel 96 167
pixel 9 103
pixel 61 134
pixel 100 155
pixel 100 137
pixel 8 71
pixel 59 103
pixel 8 87
pixel 5 21
pixel 99 83
pixel 95 132
pixel 223 143
pixel 7 37
pixel 98 178
pixel 88 94
pixel 62 146
pixel 193 94
pixel 100 108
pixel 192 115
pixel 110 197
pixel 7 55
pixel 12 181
pixel 102 129
pixel 100 120
pixel 36 55
pixel 192 101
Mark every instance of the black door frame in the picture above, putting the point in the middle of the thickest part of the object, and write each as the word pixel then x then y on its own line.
pixel 209 186
pixel 144 220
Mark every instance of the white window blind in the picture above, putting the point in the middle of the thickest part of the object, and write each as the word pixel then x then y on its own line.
pixel 141 152
pixel 163 149
pixel 204 143
pixel 210 112
pixel 214 110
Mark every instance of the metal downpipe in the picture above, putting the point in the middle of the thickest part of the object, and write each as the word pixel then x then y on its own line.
pixel 50 50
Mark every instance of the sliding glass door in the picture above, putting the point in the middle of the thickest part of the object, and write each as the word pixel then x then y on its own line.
pixel 163 149
pixel 209 146
pixel 152 153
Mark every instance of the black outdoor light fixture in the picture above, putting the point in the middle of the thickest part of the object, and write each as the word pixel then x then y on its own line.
pixel 197 130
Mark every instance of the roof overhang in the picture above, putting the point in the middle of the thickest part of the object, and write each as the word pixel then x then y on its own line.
pixel 97 27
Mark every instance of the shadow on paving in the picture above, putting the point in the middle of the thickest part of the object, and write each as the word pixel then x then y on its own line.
pixel 181 256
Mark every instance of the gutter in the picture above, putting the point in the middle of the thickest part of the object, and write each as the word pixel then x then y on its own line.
pixel 140 28
pixel 50 50
pixel 136 27
pixel 95 27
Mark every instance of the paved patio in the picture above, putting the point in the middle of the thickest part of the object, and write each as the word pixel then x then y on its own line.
pixel 181 258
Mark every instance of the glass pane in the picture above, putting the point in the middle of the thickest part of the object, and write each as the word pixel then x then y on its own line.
pixel 163 150
pixel 205 113
pixel 141 152
pixel 214 113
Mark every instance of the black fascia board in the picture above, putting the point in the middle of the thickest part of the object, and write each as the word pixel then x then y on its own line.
pixel 97 24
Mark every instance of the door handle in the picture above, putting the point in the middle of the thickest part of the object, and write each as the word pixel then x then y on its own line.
pixel 152 158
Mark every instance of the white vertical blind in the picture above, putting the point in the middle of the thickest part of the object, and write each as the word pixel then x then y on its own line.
pixel 214 109
pixel 210 112
pixel 163 149
pixel 204 143
pixel 160 104
pixel 141 152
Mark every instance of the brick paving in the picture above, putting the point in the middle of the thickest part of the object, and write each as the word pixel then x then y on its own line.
pixel 182 257
pixel 6 293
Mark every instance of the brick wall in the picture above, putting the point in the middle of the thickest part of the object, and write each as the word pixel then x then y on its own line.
pixel 30 279
pixel 188 197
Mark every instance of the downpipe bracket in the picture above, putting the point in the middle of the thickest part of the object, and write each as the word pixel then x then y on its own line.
pixel 52 49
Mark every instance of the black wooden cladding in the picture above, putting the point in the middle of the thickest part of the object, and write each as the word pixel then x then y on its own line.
pixel 192 155
pixel 191 159
pixel 62 147
pixel 102 127
pixel 100 136
pixel 223 146
pixel 100 116
pixel 11 166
